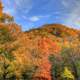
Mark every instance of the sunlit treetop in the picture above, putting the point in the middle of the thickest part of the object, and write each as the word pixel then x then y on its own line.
pixel 1 8
pixel 4 18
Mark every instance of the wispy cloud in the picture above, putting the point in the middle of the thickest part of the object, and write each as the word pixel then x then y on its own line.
pixel 18 6
pixel 74 7
pixel 23 6
pixel 65 4
pixel 36 18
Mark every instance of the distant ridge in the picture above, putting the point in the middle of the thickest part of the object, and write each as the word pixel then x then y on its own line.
pixel 55 29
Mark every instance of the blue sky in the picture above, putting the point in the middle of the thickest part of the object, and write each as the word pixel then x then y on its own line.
pixel 34 13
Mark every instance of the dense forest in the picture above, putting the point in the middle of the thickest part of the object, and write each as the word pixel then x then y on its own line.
pixel 51 52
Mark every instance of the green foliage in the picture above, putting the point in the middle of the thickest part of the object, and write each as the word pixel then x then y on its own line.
pixel 2 19
pixel 4 35
pixel 10 19
pixel 6 68
pixel 5 18
pixel 6 71
pixel 28 73
pixel 57 67
pixel 56 32
pixel 6 55
pixel 70 58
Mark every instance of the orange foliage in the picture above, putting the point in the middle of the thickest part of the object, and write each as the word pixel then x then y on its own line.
pixel 47 47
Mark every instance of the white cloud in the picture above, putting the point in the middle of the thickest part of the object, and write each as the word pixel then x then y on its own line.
pixel 34 18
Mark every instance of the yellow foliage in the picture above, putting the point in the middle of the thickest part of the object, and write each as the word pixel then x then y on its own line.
pixel 67 74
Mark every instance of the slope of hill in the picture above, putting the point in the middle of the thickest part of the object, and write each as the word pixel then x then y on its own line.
pixel 25 55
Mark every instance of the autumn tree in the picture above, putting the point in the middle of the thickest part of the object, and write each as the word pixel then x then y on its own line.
pixel 67 74
pixel 56 67
pixel 71 58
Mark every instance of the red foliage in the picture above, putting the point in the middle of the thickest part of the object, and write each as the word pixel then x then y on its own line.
pixel 47 47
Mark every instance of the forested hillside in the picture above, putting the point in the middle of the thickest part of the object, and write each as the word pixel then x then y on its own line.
pixel 50 52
